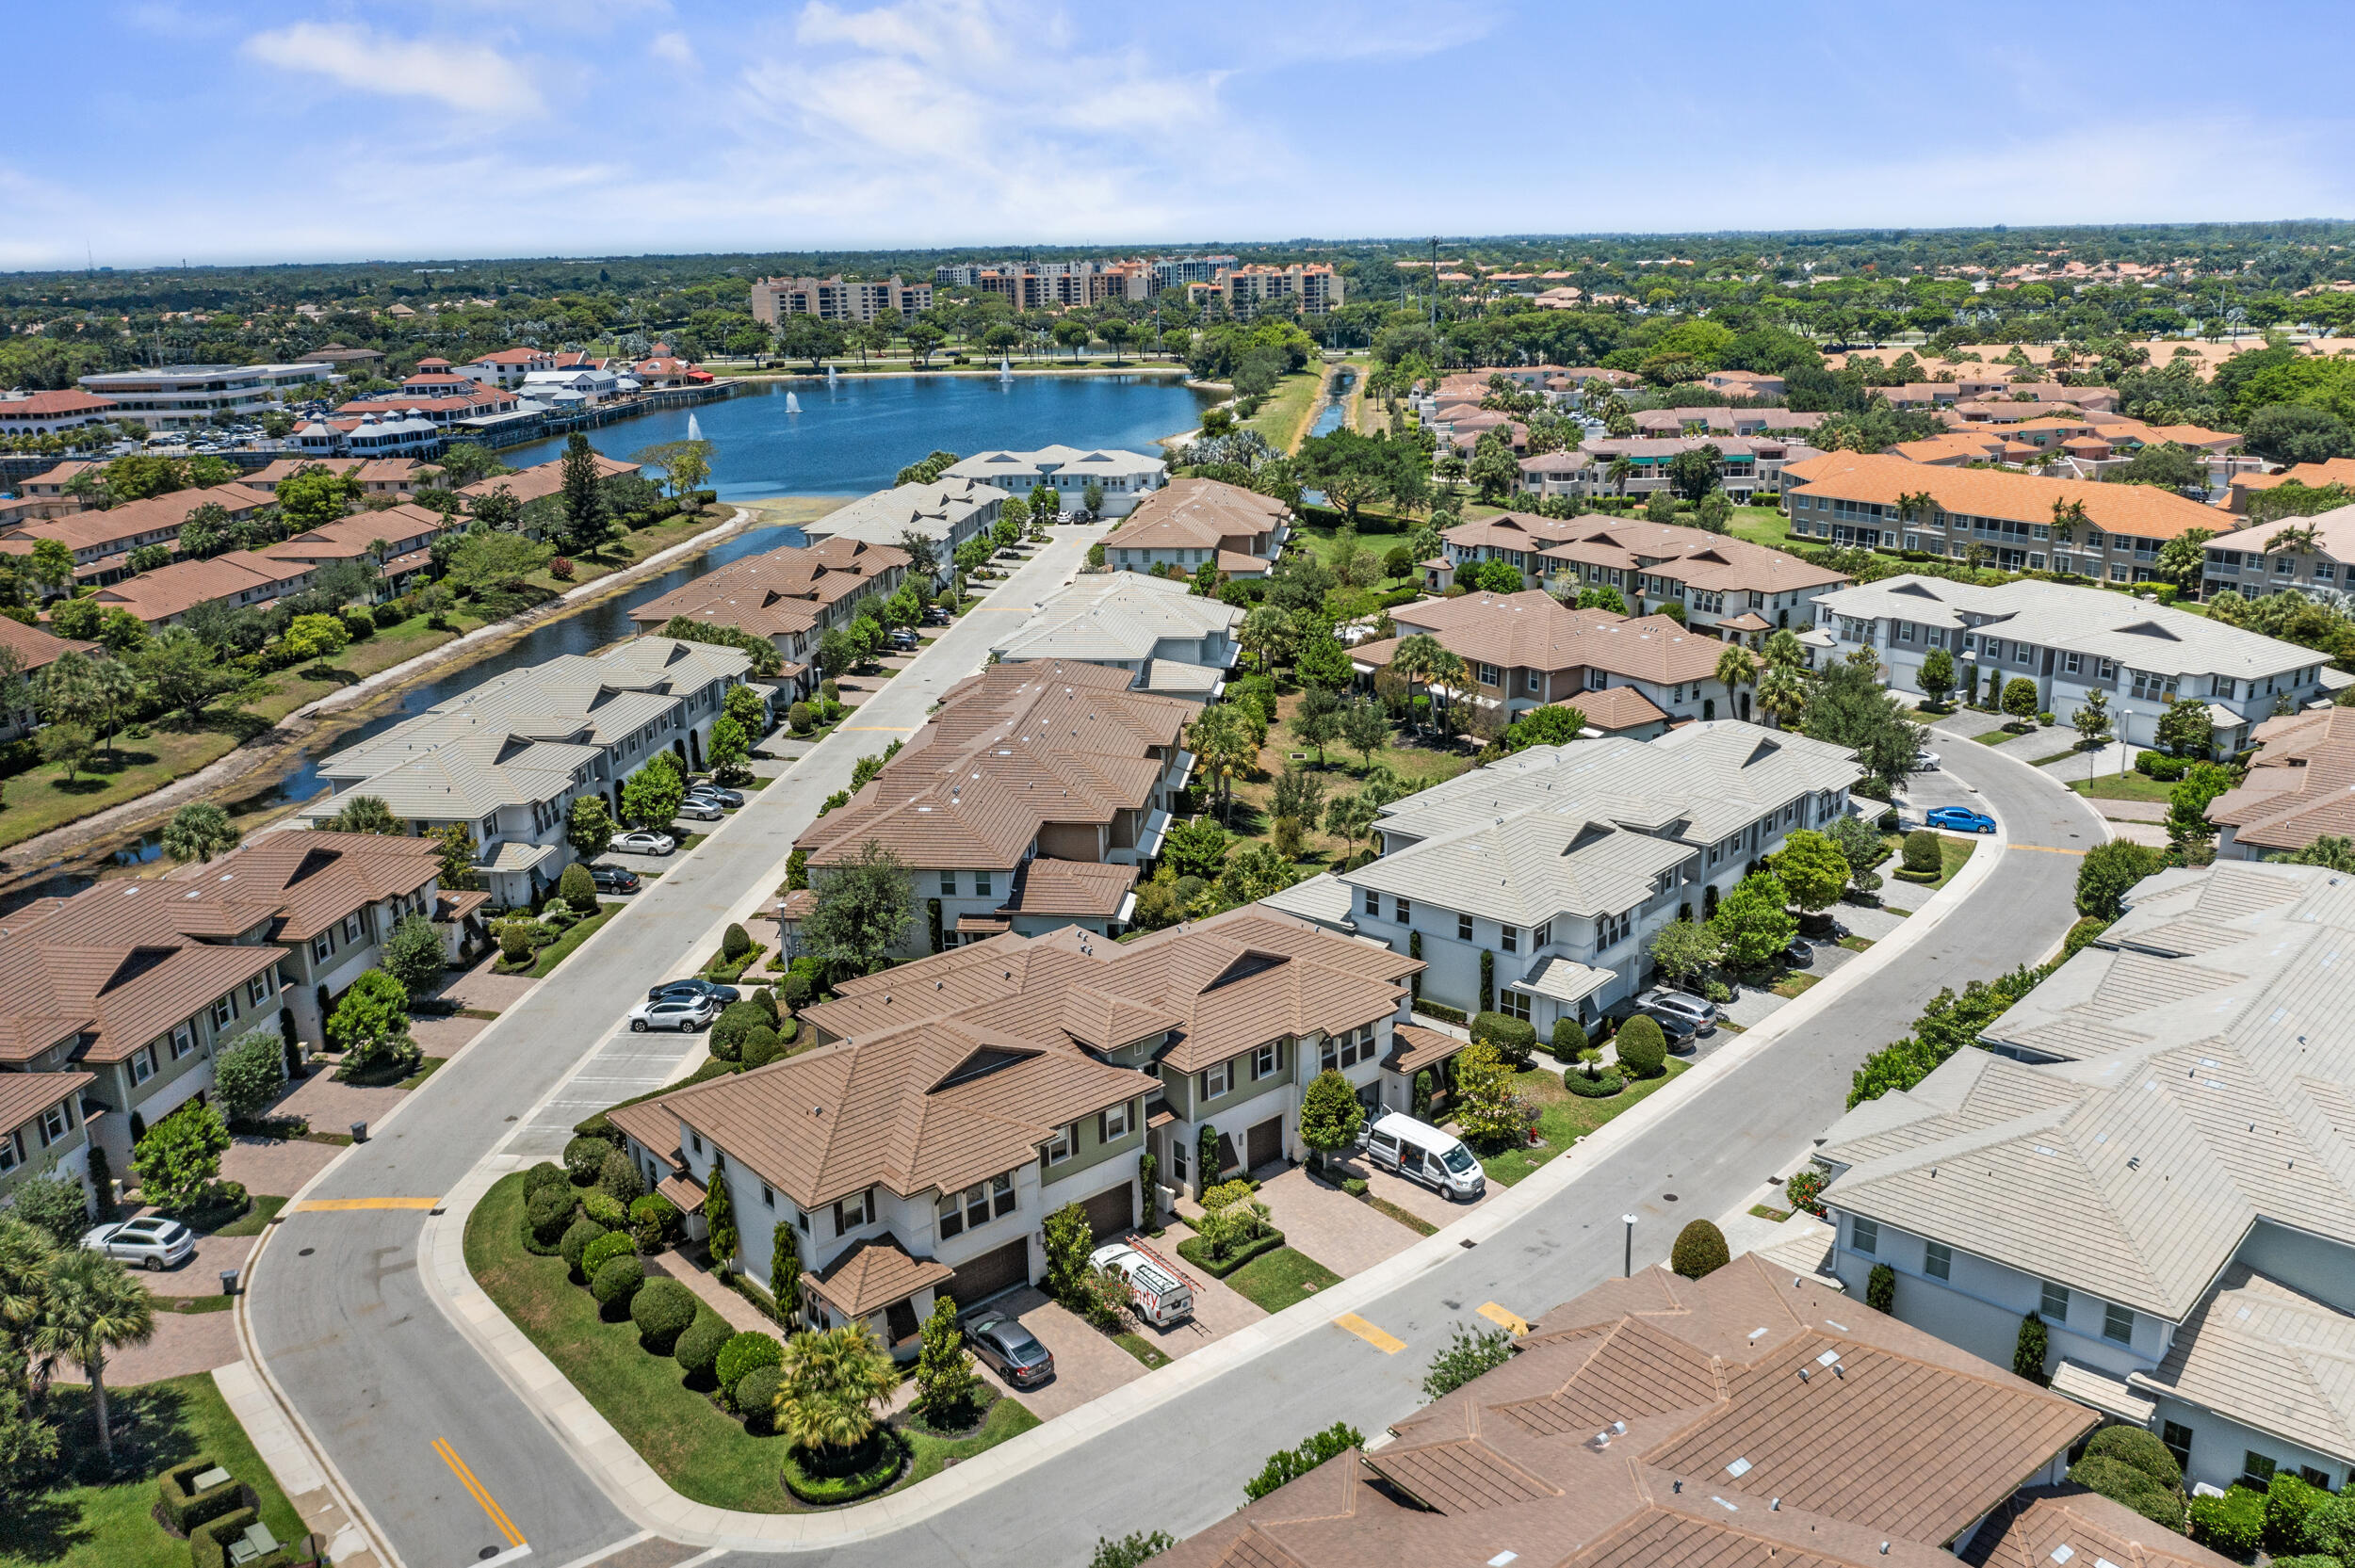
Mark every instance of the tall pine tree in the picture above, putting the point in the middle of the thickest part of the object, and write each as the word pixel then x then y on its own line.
pixel 582 497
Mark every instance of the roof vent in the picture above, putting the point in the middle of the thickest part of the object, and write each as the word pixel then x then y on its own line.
pixel 1676 1486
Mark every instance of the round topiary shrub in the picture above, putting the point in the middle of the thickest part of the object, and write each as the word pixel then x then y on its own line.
pixel 1922 854
pixel 2124 1484
pixel 735 942
pixel 604 1209
pixel 578 889
pixel 619 1180
pixel 744 1351
pixel 541 1175
pixel 698 1350
pixel 761 1047
pixel 1700 1250
pixel 584 1157
pixel 1569 1038
pixel 1599 1087
pixel 664 1310
pixel 767 997
pixel 2140 1448
pixel 1515 1039
pixel 756 1399
pixel 604 1249
pixel 616 1283
pixel 794 991
pixel 579 1237
pixel 1642 1048
pixel 736 1020
pixel 653 1221
pixel 547 1212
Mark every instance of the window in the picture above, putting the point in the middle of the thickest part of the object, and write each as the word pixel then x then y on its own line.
pixel 1059 1147
pixel 1536 683
pixel 1937 1261
pixel 2178 1440
pixel 1491 674
pixel 183 1040
pixel 1541 937
pixel 1463 928
pixel 1864 1236
pixel 2307 1473
pixel 351 928
pixel 2118 1323
pixel 323 945
pixel 801 1219
pixel 1514 1003
pixel 54 1125
pixel 1509 938
pixel 257 988
pixel 1374 902
pixel 948 882
pixel 1403 911
pixel 11 1151
pixel 696 1141
pixel 1218 1081
pixel 142 1064
pixel 768 1199
pixel 2256 1470
pixel 1117 1122
pixel 981 885
pixel 1612 930
pixel 850 1213
pixel 1266 1060
pixel 224 1012
pixel 2055 1304
pixel 1001 1194
pixel 2074 663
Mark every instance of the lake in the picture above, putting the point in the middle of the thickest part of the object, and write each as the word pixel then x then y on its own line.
pixel 855 436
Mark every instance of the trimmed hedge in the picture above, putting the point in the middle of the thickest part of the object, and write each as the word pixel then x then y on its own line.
pixel 1923 855
pixel 2123 1484
pixel 1440 1011
pixel 617 1283
pixel 541 1176
pixel 2139 1447
pixel 1194 1250
pixel 756 1399
pixel 185 1508
pixel 698 1350
pixel 653 1219
pixel 1515 1039
pixel 1601 1088
pixel 208 1544
pixel 2157 765
pixel 760 1047
pixel 604 1249
pixel 1643 1047
pixel 663 1309
pixel 584 1157
pixel 574 1249
pixel 2233 1524
pixel 547 1212
pixel 812 1486
pixel 742 1352
pixel 604 1209
pixel 1569 1038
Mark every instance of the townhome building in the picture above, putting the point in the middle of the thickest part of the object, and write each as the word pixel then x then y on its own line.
pixel 45 495
pixel 2072 642
pixel 1515 538
pixel 44 1130
pixel 1177 642
pixel 240 579
pixel 1532 886
pixel 542 479
pixel 1746 1419
pixel 398 542
pixel 394 476
pixel 1723 422
pixel 1746 383
pixel 2315 555
pixel 1035 760
pixel 2299 787
pixel 102 541
pixel 1125 478
pixel 1728 587
pixel 1749 465
pixel 2151 1155
pixel 792 596
pixel 947 512
pixel 837 298
pixel 2331 471
pixel 1191 523
pixel 507 759
pixel 2017 522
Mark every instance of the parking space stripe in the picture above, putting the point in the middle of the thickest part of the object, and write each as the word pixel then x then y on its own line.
pixel 490 1505
pixel 1503 1318
pixel 330 1205
pixel 1382 1340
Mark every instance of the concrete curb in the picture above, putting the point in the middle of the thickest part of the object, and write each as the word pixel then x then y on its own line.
pixel 639 1491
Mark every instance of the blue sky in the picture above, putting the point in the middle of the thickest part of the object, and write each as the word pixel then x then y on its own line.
pixel 333 130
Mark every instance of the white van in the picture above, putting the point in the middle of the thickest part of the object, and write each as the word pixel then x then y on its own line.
pixel 1422 1152
pixel 1158 1292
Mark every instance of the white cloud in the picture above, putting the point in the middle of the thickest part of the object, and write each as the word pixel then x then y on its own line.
pixel 675 48
pixel 464 75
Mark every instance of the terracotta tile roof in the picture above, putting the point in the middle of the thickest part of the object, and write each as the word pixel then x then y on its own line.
pixel 1533 630
pixel 1616 707
pixel 408 529
pixel 652 1125
pixel 2141 510
pixel 1070 887
pixel 683 1192
pixel 785 591
pixel 157 514
pixel 1694 556
pixel 2032 1523
pixel 1658 1421
pixel 1190 513
pixel 25 1095
pixel 34 647
pixel 1415 1049
pixel 547 479
pixel 234 576
pixel 2299 787
pixel 2331 471
pixel 874 1274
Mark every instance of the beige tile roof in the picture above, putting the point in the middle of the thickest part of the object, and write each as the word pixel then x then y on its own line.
pixel 2268 1355
pixel 93 529
pixel 1191 514
pixel 2299 787
pixel 1118 615
pixel 1533 630
pixel 1692 555
pixel 1726 1457
pixel 872 1274
pixel 784 591
pixel 2035 1523
pixel 529 484
pixel 175 589
pixel 25 1095
pixel 2334 530
pixel 1415 1049
pixel 1070 887
pixel 34 648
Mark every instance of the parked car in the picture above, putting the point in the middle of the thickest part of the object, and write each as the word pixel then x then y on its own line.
pixel 1798 952
pixel 644 843
pixel 1422 1152
pixel 695 985
pixel 153 1242
pixel 1010 1349
pixel 1698 1013
pixel 719 794
pixel 1961 820
pixel 904 639
pixel 935 616
pixel 1925 762
pixel 683 1012
pixel 700 808
pixel 614 878
pixel 1159 1294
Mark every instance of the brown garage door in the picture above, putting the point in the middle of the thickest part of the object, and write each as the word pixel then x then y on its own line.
pixel 1110 1211
pixel 1000 1269
pixel 1265 1142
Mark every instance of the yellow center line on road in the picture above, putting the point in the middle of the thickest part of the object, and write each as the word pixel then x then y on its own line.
pixel 490 1505
pixel 2046 849
pixel 333 1205
pixel 1388 1344
pixel 1503 1318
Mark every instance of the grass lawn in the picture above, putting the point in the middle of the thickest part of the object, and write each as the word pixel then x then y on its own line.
pixel 1765 526
pixel 702 1454
pixel 254 1221
pixel 1996 737
pixel 2056 756
pixel 1417 767
pixel 1857 943
pixel 425 1070
pixel 1415 1223
pixel 1137 1346
pixel 1284 417
pixel 1275 1280
pixel 1793 984
pixel 562 948
pixel 1563 1117
pixel 2129 785
pixel 111 1524
pixel 1953 854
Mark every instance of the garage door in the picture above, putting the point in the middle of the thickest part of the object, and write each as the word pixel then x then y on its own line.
pixel 1110 1211
pixel 1000 1269
pixel 1265 1142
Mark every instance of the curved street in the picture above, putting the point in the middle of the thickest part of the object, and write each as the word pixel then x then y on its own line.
pixel 378 1374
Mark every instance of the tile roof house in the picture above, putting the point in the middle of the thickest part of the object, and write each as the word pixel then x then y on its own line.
pixel 1720 580
pixel 376 476
pixel 2313 554
pixel 1751 463
pixel 2072 642
pixel 1178 643
pixel 1562 862
pixel 397 541
pixel 240 579
pixel 1125 477
pixel 102 540
pixel 44 1130
pixel 791 595
pixel 33 649
pixel 2040 1524
pixel 1046 758
pixel 2299 787
pixel 507 758
pixel 2331 471
pixel 40 414
pixel 1189 522
pixel 1748 1419
pixel 2152 1154
pixel 527 485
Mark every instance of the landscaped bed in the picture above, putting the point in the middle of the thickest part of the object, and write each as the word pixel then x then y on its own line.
pixel 1562 1116
pixel 702 1454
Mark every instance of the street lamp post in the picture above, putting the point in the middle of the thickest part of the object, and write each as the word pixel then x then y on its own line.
pixel 1628 1267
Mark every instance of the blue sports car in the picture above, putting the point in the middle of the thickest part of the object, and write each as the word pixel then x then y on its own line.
pixel 1962 819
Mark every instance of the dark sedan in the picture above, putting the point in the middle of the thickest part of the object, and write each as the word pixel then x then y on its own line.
pixel 694 985
pixel 614 878
pixel 1009 1349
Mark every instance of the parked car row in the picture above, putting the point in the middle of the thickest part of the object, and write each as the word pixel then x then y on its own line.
pixel 688 1005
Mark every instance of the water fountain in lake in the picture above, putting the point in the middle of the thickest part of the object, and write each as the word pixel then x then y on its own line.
pixel 1005 370
pixel 830 378
pixel 792 404
pixel 695 431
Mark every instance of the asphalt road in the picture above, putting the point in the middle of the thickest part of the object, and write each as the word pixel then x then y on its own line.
pixel 378 1374
pixel 336 1306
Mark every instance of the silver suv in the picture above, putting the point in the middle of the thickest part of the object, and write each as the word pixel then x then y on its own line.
pixel 1696 1014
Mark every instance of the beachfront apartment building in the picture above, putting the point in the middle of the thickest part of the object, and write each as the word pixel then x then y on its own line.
pixel 1748 464
pixel 505 759
pixel 792 596
pixel 1124 478
pixel 181 396
pixel 1027 763
pixel 2072 642
pixel 1189 523
pixel 1557 865
pixel 2150 1154
pixel 952 1104
pixel 2313 556
pixel 1174 641
pixel 838 299
pixel 2016 522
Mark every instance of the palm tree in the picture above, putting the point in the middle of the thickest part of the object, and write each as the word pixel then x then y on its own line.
pixel 90 1304
pixel 365 814
pixel 1781 693
pixel 1620 471
pixel 830 1386
pixel 2067 517
pixel 1222 750
pixel 1448 670
pixel 1736 668
pixel 1782 648
pixel 24 1255
pixel 1415 660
